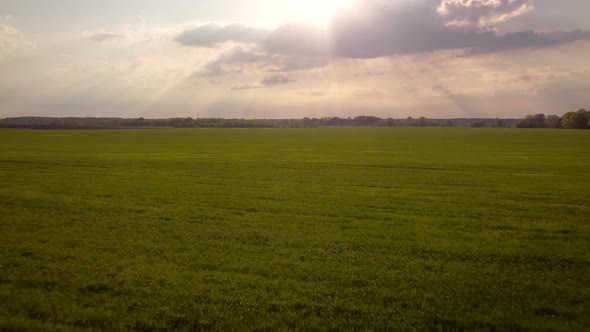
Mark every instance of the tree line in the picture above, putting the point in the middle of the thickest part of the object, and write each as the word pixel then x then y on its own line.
pixel 575 120
pixel 570 120
pixel 363 120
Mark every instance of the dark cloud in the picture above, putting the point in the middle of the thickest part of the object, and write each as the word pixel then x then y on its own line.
pixel 376 29
pixel 267 82
pixel 239 54
pixel 104 37
pixel 220 66
pixel 297 39
pixel 527 39
pixel 294 46
pixel 439 88
pixel 525 78
pixel 236 59
pixel 211 35
pixel 382 31
pixel 273 80
pixel 418 28
pixel 294 63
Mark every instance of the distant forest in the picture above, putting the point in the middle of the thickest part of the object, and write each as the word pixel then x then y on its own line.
pixel 580 119
pixel 113 123
pixel 570 120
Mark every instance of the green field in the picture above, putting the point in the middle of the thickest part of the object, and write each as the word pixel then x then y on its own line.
pixel 324 228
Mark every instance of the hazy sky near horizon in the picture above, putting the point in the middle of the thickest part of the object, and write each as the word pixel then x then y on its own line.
pixel 290 59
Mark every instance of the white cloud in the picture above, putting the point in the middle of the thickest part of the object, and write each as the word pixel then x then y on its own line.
pixel 481 13
pixel 134 31
pixel 213 34
pixel 12 42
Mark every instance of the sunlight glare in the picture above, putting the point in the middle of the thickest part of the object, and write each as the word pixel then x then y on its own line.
pixel 317 12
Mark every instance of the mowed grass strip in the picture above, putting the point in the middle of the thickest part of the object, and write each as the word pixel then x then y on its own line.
pixel 324 228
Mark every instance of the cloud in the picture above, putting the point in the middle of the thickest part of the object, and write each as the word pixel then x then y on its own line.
pixel 376 29
pixel 238 54
pixel 295 63
pixel 133 31
pixel 275 52
pixel 297 39
pixel 267 82
pixel 439 88
pixel 239 59
pixel 104 37
pixel 213 70
pixel 312 93
pixel 527 40
pixel 225 62
pixel 211 35
pixel 482 12
pixel 12 42
pixel 382 30
pixel 246 87
pixel 369 74
pixel 273 80
pixel 525 78
pixel 418 28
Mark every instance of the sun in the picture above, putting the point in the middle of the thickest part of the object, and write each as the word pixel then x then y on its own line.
pixel 317 12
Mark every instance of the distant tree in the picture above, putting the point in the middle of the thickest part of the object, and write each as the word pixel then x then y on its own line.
pixel 539 121
pixel 553 121
pixel 389 122
pixel 365 120
pixel 576 120
pixel 533 121
pixel 137 122
pixel 307 122
pixel 422 122
pixel 410 122
pixel 499 123
pixel 447 123
pixel 527 122
pixel 478 124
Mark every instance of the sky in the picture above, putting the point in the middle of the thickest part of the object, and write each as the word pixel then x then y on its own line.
pixel 292 59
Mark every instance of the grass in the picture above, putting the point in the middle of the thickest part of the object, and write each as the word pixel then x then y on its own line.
pixel 323 229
